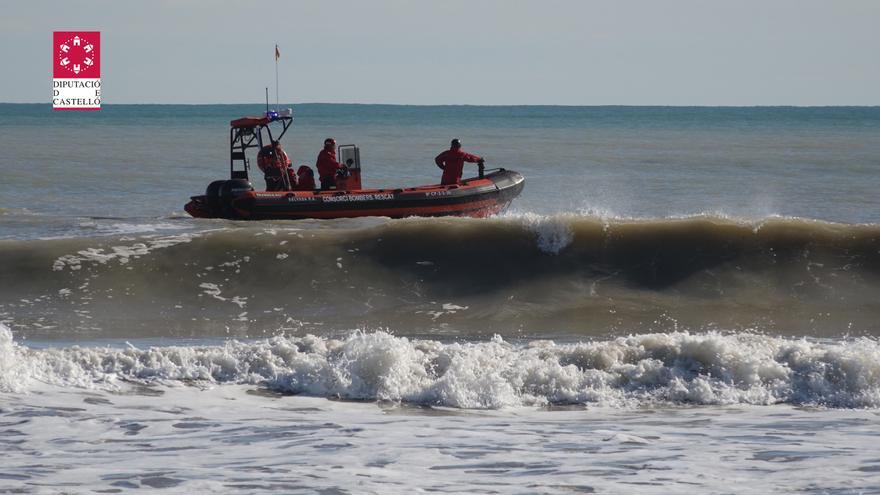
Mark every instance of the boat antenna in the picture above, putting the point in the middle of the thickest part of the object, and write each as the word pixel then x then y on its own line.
pixel 267 99
pixel 277 56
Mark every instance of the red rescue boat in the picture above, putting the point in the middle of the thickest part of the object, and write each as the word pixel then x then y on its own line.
pixel 487 194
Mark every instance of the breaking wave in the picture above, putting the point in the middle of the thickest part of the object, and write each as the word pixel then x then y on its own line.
pixel 524 272
pixel 645 370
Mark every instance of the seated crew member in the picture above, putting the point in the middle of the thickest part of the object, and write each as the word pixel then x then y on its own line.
pixel 327 165
pixel 305 178
pixel 452 161
pixel 274 162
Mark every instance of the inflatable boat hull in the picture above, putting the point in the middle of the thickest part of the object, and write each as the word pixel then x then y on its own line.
pixel 236 199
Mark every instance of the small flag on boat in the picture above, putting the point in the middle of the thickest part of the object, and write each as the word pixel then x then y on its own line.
pixel 277 53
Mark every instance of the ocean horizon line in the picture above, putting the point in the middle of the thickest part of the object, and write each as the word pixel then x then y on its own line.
pixel 455 105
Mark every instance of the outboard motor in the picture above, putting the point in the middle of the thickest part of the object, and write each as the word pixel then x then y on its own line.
pixel 220 194
pixel 234 187
pixel 212 196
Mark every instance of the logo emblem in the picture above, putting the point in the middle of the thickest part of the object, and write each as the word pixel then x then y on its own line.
pixel 76 70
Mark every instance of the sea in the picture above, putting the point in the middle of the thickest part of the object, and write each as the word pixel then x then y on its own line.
pixel 682 300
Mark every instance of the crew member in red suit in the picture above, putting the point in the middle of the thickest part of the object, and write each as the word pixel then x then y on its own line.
pixel 274 162
pixel 305 178
pixel 452 161
pixel 327 165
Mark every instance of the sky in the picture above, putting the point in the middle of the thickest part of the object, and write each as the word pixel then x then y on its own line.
pixel 479 52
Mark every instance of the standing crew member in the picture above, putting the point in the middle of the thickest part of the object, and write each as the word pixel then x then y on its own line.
pixel 327 165
pixel 274 162
pixel 452 161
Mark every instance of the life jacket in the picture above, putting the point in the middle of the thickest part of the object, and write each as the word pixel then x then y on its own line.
pixel 271 159
pixel 452 163
pixel 327 164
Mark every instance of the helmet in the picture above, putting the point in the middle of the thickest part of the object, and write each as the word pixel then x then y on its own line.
pixel 455 143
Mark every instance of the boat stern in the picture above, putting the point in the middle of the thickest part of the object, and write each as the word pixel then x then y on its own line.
pixel 198 207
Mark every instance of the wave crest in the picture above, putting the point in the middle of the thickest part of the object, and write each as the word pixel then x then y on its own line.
pixel 489 275
pixel 644 370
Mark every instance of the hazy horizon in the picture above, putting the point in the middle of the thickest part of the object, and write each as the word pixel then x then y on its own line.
pixel 482 52
pixel 282 105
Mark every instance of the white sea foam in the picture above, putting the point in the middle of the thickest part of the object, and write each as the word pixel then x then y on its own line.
pixel 139 228
pixel 122 254
pixel 91 425
pixel 234 438
pixel 663 368
pixel 14 375
pixel 553 232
